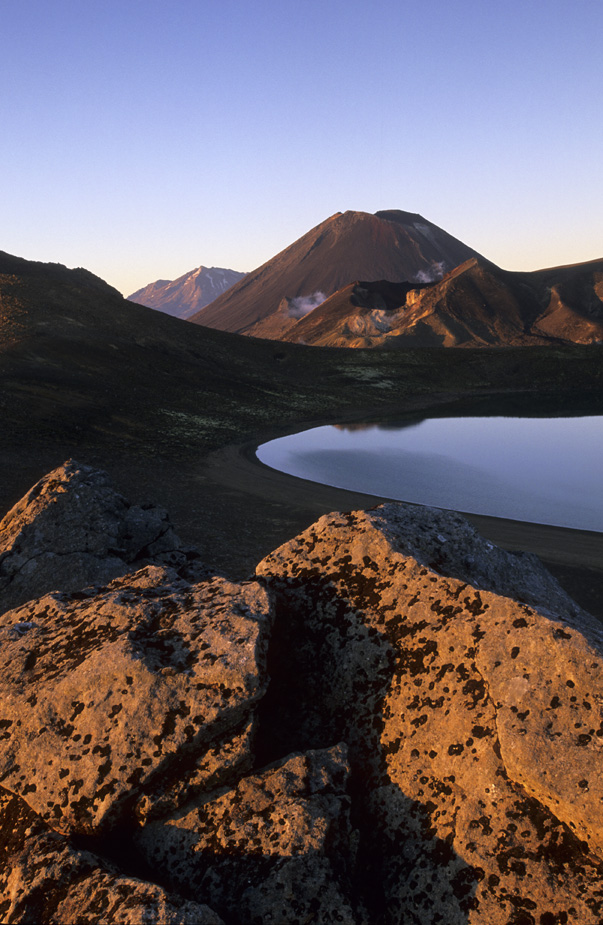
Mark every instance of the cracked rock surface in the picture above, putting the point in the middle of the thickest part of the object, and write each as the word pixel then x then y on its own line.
pixel 473 719
pixel 72 529
pixel 106 695
pixel 270 849
pixel 167 739
pixel 44 879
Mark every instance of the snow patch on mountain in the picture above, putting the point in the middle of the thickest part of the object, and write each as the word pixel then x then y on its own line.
pixel 185 296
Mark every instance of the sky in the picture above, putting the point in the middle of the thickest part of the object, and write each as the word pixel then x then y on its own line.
pixel 141 139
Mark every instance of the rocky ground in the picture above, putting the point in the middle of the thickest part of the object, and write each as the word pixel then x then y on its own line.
pixel 391 721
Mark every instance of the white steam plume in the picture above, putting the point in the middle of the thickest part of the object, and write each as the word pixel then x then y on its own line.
pixel 300 306
pixel 430 276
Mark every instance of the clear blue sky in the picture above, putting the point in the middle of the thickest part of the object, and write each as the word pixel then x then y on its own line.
pixel 141 138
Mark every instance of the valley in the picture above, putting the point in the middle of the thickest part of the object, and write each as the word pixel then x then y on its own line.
pixel 163 404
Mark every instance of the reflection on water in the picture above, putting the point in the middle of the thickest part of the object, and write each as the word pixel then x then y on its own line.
pixel 545 470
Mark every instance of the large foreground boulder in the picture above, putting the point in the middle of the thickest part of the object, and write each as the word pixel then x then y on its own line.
pixel 469 689
pixel 112 700
pixel 166 738
pixel 72 529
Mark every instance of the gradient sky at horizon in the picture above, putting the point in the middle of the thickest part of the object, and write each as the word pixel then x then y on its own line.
pixel 141 139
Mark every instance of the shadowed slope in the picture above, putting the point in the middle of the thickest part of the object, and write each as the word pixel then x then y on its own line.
pixel 573 301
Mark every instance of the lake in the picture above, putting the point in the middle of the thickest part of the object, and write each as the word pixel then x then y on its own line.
pixel 539 469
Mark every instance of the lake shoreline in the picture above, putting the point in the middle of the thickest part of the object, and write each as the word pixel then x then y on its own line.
pixel 519 468
pixel 556 543
pixel 575 557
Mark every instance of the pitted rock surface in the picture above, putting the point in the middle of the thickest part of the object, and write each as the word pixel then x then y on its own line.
pixel 298 891
pixel 104 693
pixel 43 879
pixel 465 683
pixel 473 719
pixel 72 529
pixel 449 545
pixel 270 849
pixel 222 762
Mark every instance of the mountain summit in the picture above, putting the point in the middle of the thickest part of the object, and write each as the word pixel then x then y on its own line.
pixel 189 293
pixel 392 245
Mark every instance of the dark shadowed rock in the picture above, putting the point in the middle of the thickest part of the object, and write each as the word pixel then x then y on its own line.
pixel 297 890
pixel 271 849
pixel 223 761
pixel 470 692
pixel 72 529
pixel 139 692
pixel 43 879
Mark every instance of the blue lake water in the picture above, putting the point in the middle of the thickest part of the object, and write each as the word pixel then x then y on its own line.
pixel 543 470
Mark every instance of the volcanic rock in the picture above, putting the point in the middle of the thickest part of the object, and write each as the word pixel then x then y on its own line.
pixel 271 849
pixel 72 529
pixel 476 304
pixel 44 879
pixel 143 749
pixel 107 695
pixel 469 689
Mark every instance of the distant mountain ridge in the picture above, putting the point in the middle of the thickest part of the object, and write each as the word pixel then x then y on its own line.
pixel 391 245
pixel 192 291
pixel 392 279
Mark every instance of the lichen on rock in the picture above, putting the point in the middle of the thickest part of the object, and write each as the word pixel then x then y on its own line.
pixel 165 721
pixel 243 848
pixel 474 758
pixel 102 692
pixel 44 879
